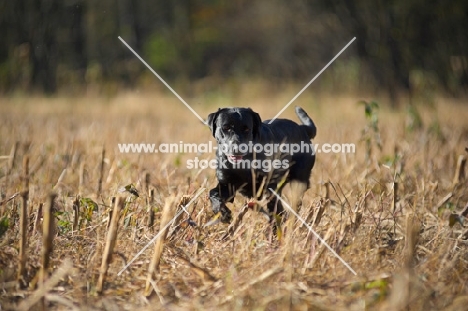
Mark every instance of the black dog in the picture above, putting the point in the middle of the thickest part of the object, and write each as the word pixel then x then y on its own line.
pixel 244 167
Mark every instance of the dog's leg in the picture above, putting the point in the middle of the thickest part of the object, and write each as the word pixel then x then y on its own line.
pixel 218 197
pixel 275 214
pixel 274 206
pixel 275 209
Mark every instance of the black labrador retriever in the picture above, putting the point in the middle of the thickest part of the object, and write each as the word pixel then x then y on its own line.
pixel 253 154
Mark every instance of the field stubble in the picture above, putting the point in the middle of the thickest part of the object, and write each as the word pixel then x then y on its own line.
pixel 393 213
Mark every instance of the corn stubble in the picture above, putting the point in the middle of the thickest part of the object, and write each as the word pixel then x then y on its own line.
pixel 395 211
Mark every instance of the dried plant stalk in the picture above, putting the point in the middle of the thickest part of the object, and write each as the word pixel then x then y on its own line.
pixel 297 192
pixel 38 164
pixel 9 199
pixel 37 219
pixel 321 248
pixel 23 245
pixel 166 217
pixel 395 197
pixel 150 207
pixel 262 277
pixel 460 171
pixel 101 171
pixel 357 220
pixel 443 201
pixel 81 179
pixel 48 233
pixel 394 205
pixel 12 158
pixel 464 212
pixel 110 243
pixel 322 205
pixel 327 194
pixel 147 181
pixel 60 179
pixel 76 213
pixel 26 172
pixel 185 199
pixel 64 269
pixel 109 219
pixel 204 274
pixel 112 169
pixel 400 297
pixel 412 234
pixel 236 223
pixel 24 225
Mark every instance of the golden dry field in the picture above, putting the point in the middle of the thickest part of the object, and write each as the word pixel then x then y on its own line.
pixel 393 210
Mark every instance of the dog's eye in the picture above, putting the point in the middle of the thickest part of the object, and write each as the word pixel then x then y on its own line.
pixel 246 129
pixel 226 127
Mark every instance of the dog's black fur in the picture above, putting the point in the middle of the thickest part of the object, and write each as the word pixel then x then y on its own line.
pixel 243 125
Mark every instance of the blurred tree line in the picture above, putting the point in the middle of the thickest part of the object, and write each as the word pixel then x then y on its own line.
pixel 401 46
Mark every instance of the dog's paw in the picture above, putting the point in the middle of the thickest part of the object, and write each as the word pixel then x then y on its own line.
pixel 223 215
pixel 226 215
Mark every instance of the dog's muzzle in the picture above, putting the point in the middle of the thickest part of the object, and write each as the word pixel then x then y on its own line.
pixel 231 151
pixel 234 158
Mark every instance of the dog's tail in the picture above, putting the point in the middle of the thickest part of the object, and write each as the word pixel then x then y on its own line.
pixel 307 122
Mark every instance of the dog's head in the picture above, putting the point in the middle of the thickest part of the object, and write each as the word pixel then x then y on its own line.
pixel 232 127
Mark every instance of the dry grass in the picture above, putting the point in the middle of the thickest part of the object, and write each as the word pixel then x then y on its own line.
pixel 404 251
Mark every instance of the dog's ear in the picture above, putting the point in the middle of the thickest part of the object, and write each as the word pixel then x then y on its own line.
pixel 211 121
pixel 257 123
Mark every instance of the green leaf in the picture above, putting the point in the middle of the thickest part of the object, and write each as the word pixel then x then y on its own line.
pixel 90 207
pixel 380 284
pixel 4 225
pixel 279 231
pixel 64 226
pixel 454 218
pixel 88 204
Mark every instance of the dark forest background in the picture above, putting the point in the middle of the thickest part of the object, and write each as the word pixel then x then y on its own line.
pixel 402 46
